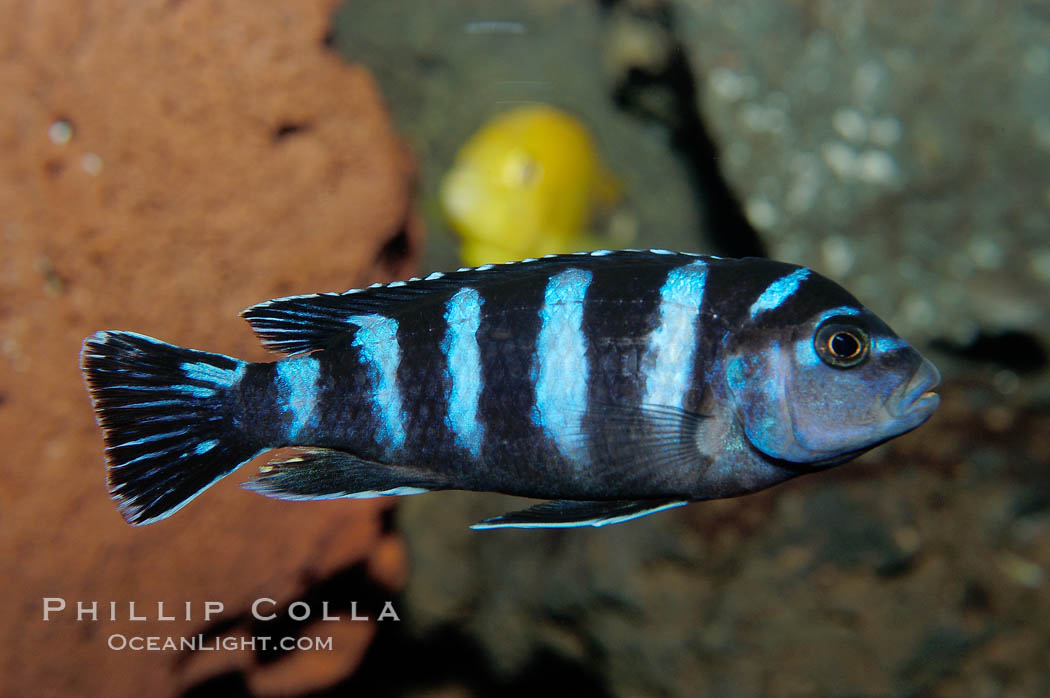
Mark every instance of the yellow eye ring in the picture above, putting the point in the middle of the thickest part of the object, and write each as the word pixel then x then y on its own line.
pixel 841 346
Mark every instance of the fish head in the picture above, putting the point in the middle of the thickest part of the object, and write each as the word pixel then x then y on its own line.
pixel 822 391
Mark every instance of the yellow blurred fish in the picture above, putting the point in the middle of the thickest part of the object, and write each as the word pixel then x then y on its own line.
pixel 526 185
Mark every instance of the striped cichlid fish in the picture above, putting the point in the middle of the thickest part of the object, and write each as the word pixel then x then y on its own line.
pixel 613 383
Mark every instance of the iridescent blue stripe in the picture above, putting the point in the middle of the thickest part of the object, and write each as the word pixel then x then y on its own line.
pixel 577 524
pixel 805 353
pixel 150 455
pixel 205 446
pixel 207 373
pixel 884 345
pixel 380 352
pixel 841 310
pixel 373 494
pixel 463 357
pixel 560 365
pixel 155 437
pixel 199 391
pixel 297 391
pixel 778 292
pixel 671 348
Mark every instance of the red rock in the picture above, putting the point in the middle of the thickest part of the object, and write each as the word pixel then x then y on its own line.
pixel 389 564
pixel 219 155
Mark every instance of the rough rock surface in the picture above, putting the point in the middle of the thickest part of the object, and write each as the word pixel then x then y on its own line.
pixel 166 164
pixel 900 147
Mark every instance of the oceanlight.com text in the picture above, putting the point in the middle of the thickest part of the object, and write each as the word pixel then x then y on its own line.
pixel 201 643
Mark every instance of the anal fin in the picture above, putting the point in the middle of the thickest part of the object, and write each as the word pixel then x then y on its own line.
pixel 573 513
pixel 324 473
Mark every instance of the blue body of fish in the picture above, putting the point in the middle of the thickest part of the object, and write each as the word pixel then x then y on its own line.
pixel 612 383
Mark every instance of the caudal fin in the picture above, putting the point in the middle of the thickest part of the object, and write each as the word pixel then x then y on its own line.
pixel 167 419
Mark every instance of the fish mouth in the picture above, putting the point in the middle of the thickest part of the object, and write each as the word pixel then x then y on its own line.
pixel 917 398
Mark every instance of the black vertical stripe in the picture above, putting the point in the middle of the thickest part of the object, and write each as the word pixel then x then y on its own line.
pixel 347 419
pixel 622 309
pixel 423 381
pixel 510 326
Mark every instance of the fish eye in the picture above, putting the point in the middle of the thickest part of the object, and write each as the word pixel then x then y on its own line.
pixel 841 346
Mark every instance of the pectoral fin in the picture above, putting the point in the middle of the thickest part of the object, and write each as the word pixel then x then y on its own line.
pixel 570 513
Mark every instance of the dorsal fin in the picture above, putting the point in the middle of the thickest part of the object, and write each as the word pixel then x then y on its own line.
pixel 301 324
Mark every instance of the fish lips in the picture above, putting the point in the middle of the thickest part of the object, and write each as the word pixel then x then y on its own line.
pixel 915 401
